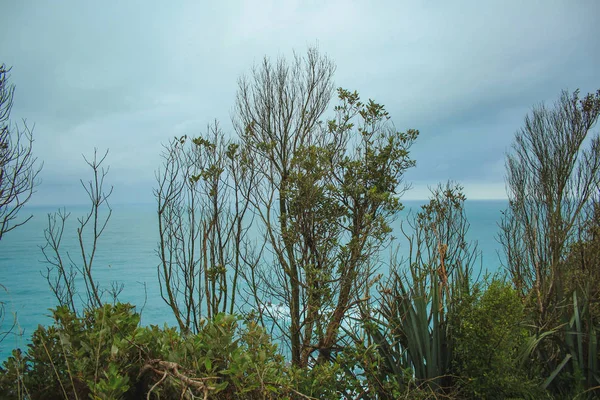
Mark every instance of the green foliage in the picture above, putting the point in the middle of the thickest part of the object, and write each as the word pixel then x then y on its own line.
pixel 233 362
pixel 322 381
pixel 577 374
pixel 414 321
pixel 377 372
pixel 582 316
pixel 112 385
pixel 342 192
pixel 566 355
pixel 327 193
pixel 106 355
pixel 488 334
pixel 412 332
pixel 90 356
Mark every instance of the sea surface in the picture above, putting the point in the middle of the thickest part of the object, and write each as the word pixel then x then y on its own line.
pixel 127 255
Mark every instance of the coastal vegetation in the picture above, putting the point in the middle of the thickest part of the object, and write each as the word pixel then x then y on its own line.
pixel 270 247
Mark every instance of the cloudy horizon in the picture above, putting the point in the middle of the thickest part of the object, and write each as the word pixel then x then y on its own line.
pixel 129 77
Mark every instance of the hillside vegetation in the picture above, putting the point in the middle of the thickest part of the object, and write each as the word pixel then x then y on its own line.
pixel 320 174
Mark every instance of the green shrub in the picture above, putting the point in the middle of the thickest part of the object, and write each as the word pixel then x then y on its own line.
pixel 106 355
pixel 87 357
pixel 368 370
pixel 232 362
pixel 487 334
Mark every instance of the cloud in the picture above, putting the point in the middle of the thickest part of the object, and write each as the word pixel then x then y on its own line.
pixel 128 76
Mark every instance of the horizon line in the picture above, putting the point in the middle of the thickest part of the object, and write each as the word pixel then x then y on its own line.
pixel 54 205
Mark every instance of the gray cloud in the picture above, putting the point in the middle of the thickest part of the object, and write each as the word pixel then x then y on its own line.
pixel 129 76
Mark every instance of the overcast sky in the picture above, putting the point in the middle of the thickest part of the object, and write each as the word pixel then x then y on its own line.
pixel 129 75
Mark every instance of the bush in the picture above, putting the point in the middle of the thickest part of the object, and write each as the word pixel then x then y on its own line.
pixel 78 357
pixel 487 336
pixel 105 354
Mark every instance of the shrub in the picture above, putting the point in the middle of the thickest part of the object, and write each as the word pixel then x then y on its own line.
pixel 105 354
pixel 487 336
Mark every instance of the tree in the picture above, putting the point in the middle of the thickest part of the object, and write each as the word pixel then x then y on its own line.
pixel 324 196
pixel 63 269
pixel 18 166
pixel 553 174
pixel 277 111
pixel 203 222
pixel 548 234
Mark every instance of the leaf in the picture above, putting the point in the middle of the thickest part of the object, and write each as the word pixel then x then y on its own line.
pixel 548 381
pixel 220 386
pixel 114 350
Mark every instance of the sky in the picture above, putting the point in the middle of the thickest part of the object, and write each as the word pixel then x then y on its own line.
pixel 127 76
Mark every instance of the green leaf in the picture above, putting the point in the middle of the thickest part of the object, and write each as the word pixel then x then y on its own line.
pixel 114 350
pixel 549 380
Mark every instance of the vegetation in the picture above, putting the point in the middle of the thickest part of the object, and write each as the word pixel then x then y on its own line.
pixel 105 354
pixel 19 171
pixel 548 233
pixel 63 271
pixel 304 310
pixel 325 195
pixel 203 205
pixel 488 337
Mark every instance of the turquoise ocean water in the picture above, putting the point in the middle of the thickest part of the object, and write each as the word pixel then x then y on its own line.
pixel 126 254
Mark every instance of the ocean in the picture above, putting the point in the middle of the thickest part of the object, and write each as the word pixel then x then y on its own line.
pixel 126 254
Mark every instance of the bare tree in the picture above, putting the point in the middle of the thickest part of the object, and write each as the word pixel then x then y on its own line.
pixel 325 195
pixel 203 221
pixel 553 174
pixel 64 267
pixel 18 166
